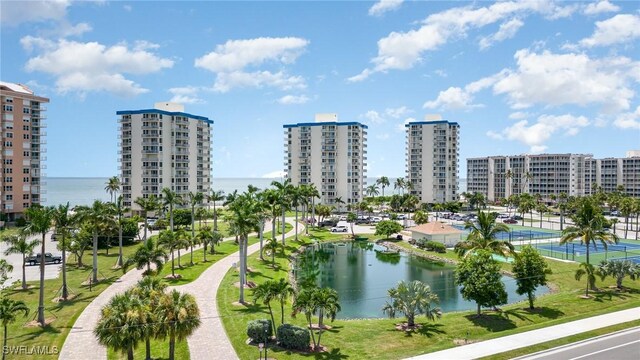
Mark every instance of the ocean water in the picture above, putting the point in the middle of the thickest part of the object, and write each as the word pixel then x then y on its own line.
pixel 83 191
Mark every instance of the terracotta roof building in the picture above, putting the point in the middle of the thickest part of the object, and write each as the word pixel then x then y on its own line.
pixel 437 231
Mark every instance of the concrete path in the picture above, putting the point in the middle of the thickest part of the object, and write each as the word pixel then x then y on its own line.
pixel 210 340
pixel 512 342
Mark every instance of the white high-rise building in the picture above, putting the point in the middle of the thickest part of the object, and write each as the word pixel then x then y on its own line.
pixel 163 147
pixel 329 154
pixel 432 159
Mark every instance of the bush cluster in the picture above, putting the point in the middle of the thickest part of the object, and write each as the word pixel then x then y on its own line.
pixel 293 337
pixel 260 330
pixel 431 246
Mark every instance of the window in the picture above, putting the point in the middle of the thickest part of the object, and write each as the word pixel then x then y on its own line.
pixel 26 110
pixel 25 127
pixel 25 179
pixel 7 108
pixel 9 135
pixel 25 196
pixel 8 161
pixel 8 170
pixel 9 197
pixel 8 188
pixel 25 153
pixel 8 100
pixel 25 170
pixel 25 136
pixel 8 143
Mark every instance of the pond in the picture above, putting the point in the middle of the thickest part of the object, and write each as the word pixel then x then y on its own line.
pixel 362 272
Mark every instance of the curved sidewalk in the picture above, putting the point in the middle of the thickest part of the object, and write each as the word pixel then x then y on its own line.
pixel 210 340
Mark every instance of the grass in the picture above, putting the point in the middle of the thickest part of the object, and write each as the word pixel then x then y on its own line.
pixel 63 314
pixel 159 350
pixel 562 341
pixel 377 338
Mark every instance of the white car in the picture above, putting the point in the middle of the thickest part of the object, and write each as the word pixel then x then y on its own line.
pixel 376 219
pixel 339 229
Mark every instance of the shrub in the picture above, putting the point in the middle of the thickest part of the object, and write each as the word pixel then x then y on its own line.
pixel 21 222
pixel 293 337
pixel 431 245
pixel 259 330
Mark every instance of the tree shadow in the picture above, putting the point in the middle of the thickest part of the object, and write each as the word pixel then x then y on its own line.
pixel 608 295
pixel 492 322
pixel 546 312
pixel 429 329
pixel 334 354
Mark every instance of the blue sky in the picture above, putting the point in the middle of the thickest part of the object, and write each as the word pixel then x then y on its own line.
pixel 518 76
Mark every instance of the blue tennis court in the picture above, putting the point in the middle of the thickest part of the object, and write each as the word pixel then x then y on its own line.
pixel 515 235
pixel 596 248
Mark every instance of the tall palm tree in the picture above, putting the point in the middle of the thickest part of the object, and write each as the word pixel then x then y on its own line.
pixel 63 222
pixel 170 198
pixel 399 184
pixel 562 205
pixel 120 210
pixel 304 302
pixel 372 190
pixel 483 235
pixel 588 227
pixel 40 219
pixel 296 200
pixel 412 299
pixel 122 323
pixel 170 241
pixel 283 291
pixel 205 235
pixel 438 207
pixel 265 292
pixel 383 181
pixel 147 254
pixel 541 208
pixel 194 200
pixel 284 190
pixel 327 303
pixel 214 197
pixel 178 318
pixel 626 209
pixel 150 289
pixel 526 204
pixel 95 217
pixel 146 205
pixel 313 194
pixel 9 310
pixel 339 202
pixel 19 244
pixel 113 186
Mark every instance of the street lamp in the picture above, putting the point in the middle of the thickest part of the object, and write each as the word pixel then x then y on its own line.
pixel 261 346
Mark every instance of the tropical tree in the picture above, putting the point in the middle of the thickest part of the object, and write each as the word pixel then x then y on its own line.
pixel 438 207
pixel 5 269
pixel 526 204
pixel 387 228
pixel 588 227
pixel 626 209
pixel 338 201
pixel 480 278
pixel 541 208
pixel 399 184
pixel 178 317
pixel 95 217
pixel 214 197
pixel 9 310
pixel 120 210
pixel 562 205
pixel 372 190
pixel 170 241
pixel 40 219
pixel 265 292
pixel 122 323
pixel 284 190
pixel 19 244
pixel 351 218
pixel 383 181
pixel 147 205
pixel 410 203
pixel 171 199
pixel 205 236
pixel 421 217
pixel 412 299
pixel 297 198
pixel 150 289
pixel 313 194
pixel 305 302
pixel 78 243
pixel 591 272
pixel 483 235
pixel 194 200
pixel 327 303
pixel 244 219
pixel 147 254
pixel 283 291
pixel 530 270
pixel 113 186
pixel 272 246
pixel 619 270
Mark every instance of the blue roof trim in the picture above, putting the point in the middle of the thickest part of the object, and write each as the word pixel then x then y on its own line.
pixel 164 112
pixel 431 123
pixel 326 123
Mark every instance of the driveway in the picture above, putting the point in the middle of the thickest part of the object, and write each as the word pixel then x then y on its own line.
pixel 51 271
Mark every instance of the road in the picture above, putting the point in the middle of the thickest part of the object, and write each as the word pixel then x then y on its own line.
pixel 621 345
pixel 51 271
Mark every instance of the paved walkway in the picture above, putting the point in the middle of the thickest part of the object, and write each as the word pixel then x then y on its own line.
pixel 210 340
pixel 512 342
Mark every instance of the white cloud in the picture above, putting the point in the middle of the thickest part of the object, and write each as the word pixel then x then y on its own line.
pixel 186 95
pixel 441 73
pixel 629 120
pixel 600 7
pixel 275 174
pixel 537 134
pixel 621 28
pixel 518 115
pixel 230 60
pixel 454 98
pixel 84 67
pixel 374 117
pixel 506 31
pixel 398 112
pixel 403 50
pixel 383 6
pixel 293 99
pixel 16 12
pixel 401 127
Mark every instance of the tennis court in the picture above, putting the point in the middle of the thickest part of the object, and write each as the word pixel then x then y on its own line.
pixel 520 234
pixel 597 252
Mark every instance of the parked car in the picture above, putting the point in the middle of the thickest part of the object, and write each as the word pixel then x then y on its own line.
pixel 342 218
pixel 376 219
pixel 503 216
pixel 510 221
pixel 54 237
pixel 329 223
pixel 339 229
pixel 362 221
pixel 615 213
pixel 401 216
pixel 516 217
pixel 310 220
pixel 48 259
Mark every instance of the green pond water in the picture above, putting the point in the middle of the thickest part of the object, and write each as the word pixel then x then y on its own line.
pixel 361 274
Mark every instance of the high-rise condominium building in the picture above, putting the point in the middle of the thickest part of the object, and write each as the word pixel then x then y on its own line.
pixel 432 159
pixel 23 149
pixel 329 154
pixel 163 147
pixel 499 177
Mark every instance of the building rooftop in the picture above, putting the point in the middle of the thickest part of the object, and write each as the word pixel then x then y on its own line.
pixel 16 87
pixel 435 228
pixel 160 109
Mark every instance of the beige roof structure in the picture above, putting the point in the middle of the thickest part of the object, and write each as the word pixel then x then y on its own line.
pixel 435 228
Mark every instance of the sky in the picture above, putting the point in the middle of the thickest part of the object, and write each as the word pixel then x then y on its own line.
pixel 536 76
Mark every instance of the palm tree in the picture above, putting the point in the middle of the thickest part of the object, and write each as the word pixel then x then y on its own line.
pixel 194 200
pixel 304 302
pixel 178 317
pixel 590 271
pixel 327 303
pixel 147 254
pixel 619 269
pixel 146 205
pixel 296 200
pixel 351 219
pixel 541 208
pixel 626 209
pixel 383 181
pixel 588 227
pixel 170 241
pixel 63 223
pixel 170 198
pixel 122 323
pixel 526 204
pixel 18 244
pixel 113 186
pixel 562 205
pixel 282 290
pixel 410 203
pixel 150 289
pixel 205 234
pixel 399 184
pixel 95 217
pixel 284 190
pixel 483 235
pixel 9 310
pixel 421 217
pixel 214 197
pixel 265 292
pixel 243 220
pixel 5 269
pixel 40 219
pixel 412 299
pixel 372 190
pixel 272 245
pixel 438 207
pixel 313 194
pixel 120 210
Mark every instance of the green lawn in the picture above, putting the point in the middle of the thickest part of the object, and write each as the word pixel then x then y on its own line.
pixel 159 350
pixel 377 338
pixel 63 314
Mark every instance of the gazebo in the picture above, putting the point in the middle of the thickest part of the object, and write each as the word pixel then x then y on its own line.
pixel 437 231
